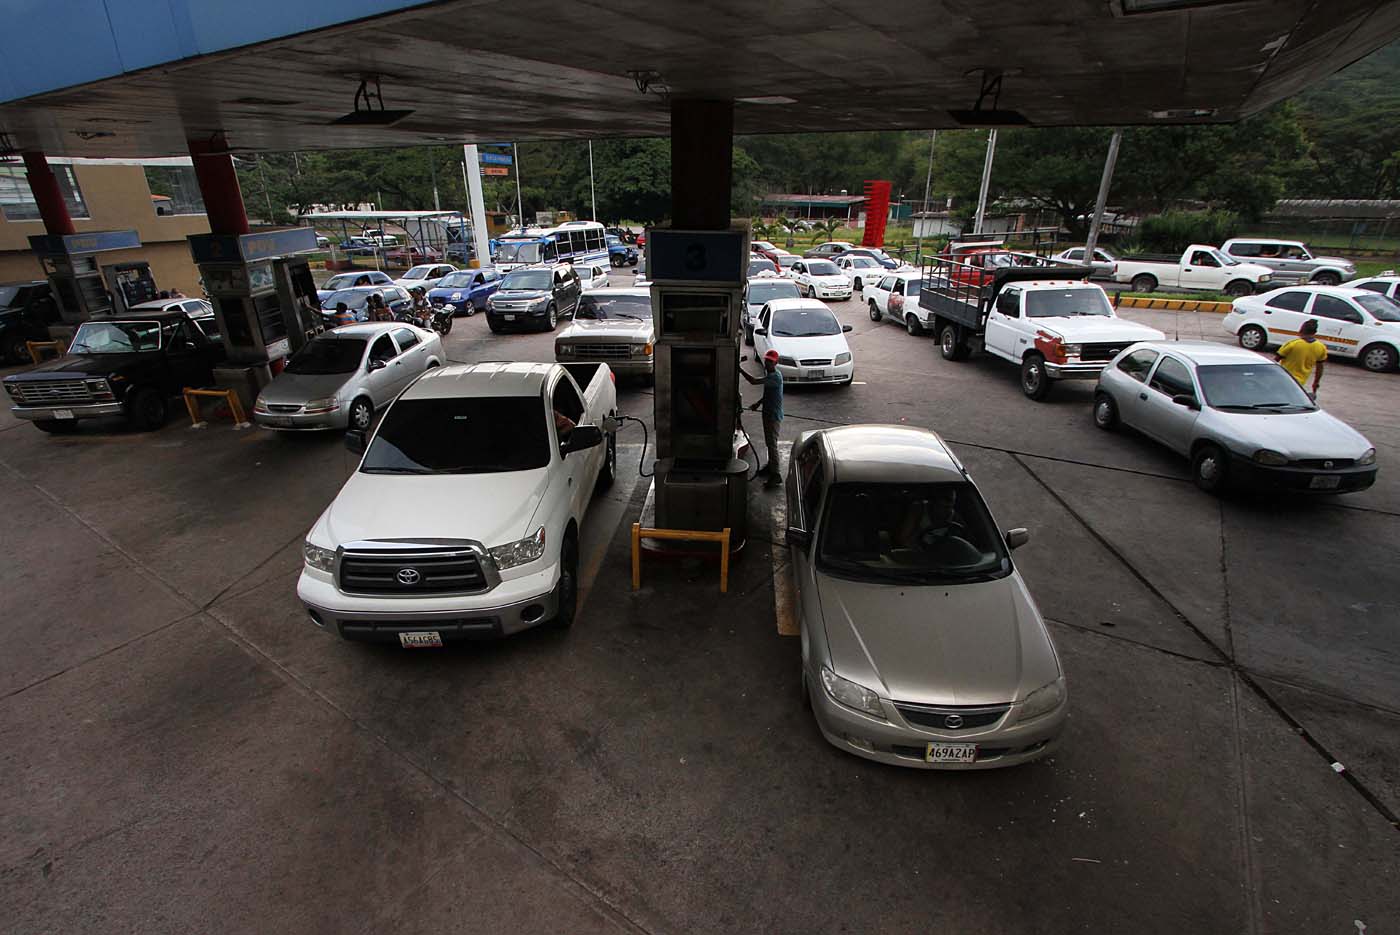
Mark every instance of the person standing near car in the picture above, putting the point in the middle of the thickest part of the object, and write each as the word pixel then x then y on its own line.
pixel 1303 356
pixel 772 405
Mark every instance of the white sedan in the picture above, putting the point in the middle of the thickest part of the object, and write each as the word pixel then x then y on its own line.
pixel 426 275
pixel 810 342
pixel 860 271
pixel 820 279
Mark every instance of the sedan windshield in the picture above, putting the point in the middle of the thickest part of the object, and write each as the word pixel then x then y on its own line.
pixel 456 435
pixel 455 281
pixel 822 268
pixel 531 279
pixel 757 266
pixel 1057 303
pixel 519 251
pixel 1261 387
pixel 804 323
pixel 418 272
pixel 328 355
pixel 353 299
pixel 760 293
pixel 116 337
pixel 1381 308
pixel 600 307
pixel 910 533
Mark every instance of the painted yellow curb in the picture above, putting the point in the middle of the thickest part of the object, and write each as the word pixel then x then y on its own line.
pixel 1174 305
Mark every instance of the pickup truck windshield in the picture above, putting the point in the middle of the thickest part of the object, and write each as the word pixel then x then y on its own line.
pixel 1224 260
pixel 761 293
pixel 328 355
pixel 596 307
pixel 519 251
pixel 476 435
pixel 804 323
pixel 1261 387
pixel 1381 308
pixel 910 534
pixel 116 337
pixel 531 279
pixel 7 295
pixel 822 268
pixel 1057 303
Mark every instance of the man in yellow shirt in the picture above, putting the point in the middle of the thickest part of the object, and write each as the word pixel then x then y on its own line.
pixel 1303 356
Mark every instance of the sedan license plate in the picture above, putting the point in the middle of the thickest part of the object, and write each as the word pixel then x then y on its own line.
pixel 63 413
pixel 425 639
pixel 951 753
pixel 508 317
pixel 279 421
pixel 816 374
pixel 1325 482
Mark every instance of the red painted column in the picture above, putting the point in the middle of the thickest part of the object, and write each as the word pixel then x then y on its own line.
pixel 218 184
pixel 47 195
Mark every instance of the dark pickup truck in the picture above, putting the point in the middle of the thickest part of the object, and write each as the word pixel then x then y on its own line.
pixel 26 311
pixel 131 365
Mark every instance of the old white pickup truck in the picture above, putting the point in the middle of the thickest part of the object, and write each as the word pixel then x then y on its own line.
pixel 462 520
pixel 1200 268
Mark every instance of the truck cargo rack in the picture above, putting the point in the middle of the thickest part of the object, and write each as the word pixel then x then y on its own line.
pixel 963 292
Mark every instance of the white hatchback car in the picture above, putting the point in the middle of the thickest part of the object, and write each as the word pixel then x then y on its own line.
pixel 1356 323
pixel 810 342
pixel 860 271
pixel 820 279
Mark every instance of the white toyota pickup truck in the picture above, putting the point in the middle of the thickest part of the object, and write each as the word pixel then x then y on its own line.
pixel 462 520
pixel 1200 268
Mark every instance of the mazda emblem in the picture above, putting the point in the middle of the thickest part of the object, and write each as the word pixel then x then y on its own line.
pixel 409 576
pixel 1327 464
pixel 953 721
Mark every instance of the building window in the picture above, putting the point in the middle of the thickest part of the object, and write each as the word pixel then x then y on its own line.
pixel 17 201
pixel 174 190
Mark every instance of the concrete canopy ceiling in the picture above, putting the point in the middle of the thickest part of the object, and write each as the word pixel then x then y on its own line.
pixel 486 71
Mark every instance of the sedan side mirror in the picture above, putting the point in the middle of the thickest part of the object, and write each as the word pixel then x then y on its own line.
pixel 355 441
pixel 799 538
pixel 1187 400
pixel 1015 538
pixel 762 331
pixel 846 328
pixel 581 438
pixel 377 364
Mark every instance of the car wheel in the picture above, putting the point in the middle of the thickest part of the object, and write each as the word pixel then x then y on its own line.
pixel 911 325
pixel 1253 338
pixel 1144 283
pixel 495 328
pixel 17 350
pixel 950 343
pixel 361 414
pixel 1378 358
pixel 874 311
pixel 551 317
pixel 146 410
pixel 1210 469
pixel 568 585
pixel 1327 279
pixel 608 472
pixel 1238 288
pixel 1035 383
pixel 1105 411
pixel 57 426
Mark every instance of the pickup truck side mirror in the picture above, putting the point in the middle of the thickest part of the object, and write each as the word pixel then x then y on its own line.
pixel 1015 538
pixel 355 441
pixel 762 331
pixel 377 364
pixel 799 538
pixel 581 438
pixel 846 328
pixel 1187 400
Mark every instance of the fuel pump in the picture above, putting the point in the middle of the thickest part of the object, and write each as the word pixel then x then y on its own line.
pixel 296 290
pixel 697 296
pixel 71 266
pixel 129 284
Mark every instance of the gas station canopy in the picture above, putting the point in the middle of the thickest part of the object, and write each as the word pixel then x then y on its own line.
pixel 143 77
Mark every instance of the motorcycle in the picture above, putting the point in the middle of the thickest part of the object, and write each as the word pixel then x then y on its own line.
pixel 439 318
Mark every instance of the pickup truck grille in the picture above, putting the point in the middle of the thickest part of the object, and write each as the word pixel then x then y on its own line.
pixel 603 351
pixel 52 391
pixel 405 574
pixel 1102 351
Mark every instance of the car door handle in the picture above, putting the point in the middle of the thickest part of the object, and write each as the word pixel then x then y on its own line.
pixel 1142 396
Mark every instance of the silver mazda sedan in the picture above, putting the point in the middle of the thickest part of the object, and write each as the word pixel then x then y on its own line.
pixel 920 644
pixel 1239 417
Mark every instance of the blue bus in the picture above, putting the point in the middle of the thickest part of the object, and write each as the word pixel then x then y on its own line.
pixel 577 242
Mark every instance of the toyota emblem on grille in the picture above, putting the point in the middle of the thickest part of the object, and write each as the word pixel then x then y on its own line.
pixel 953 721
pixel 409 576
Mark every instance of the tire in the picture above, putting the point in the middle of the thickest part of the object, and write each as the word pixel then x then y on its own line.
pixel 361 415
pixel 551 318
pixel 911 325
pixel 1035 383
pixel 1239 288
pixel 608 472
pixel 1210 469
pixel 874 311
pixel 17 350
pixel 568 584
pixel 57 426
pixel 1144 283
pixel 950 344
pixel 146 410
pixel 1253 338
pixel 471 309
pixel 1378 358
pixel 1327 279
pixel 1105 411
pixel 495 328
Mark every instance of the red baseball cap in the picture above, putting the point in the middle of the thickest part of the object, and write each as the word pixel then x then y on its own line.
pixel 771 355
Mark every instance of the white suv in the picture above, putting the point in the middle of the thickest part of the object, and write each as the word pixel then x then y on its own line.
pixel 1355 323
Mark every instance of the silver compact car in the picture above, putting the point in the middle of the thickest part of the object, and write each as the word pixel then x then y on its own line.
pixel 920 644
pixel 340 379
pixel 1240 418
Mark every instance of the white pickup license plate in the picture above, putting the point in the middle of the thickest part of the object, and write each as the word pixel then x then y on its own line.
pixel 951 753
pixel 1325 482
pixel 423 639
pixel 508 317
pixel 63 413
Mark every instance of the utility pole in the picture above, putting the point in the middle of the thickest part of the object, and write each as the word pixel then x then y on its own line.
pixel 986 181
pixel 592 191
pixel 928 185
pixel 432 172
pixel 1097 219
pixel 519 202
pixel 472 168
pixel 263 179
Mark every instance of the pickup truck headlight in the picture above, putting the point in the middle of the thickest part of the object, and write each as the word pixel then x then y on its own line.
pixel 1368 458
pixel 641 350
pixel 99 388
pixel 842 358
pixel 326 404
pixel 852 695
pixel 1072 350
pixel 1043 700
pixel 520 552
pixel 563 350
pixel 1270 457
pixel 12 389
pixel 1265 278
pixel 317 557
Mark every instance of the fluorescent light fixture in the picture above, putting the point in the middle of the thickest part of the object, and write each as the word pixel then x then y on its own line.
pixel 1182 113
pixel 1165 6
pixel 769 99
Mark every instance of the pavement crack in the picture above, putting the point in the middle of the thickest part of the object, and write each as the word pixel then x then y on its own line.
pixel 1117 637
pixel 106 652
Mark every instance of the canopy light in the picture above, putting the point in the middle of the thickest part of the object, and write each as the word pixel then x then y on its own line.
pixel 770 99
pixel 1182 113
pixel 368 116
